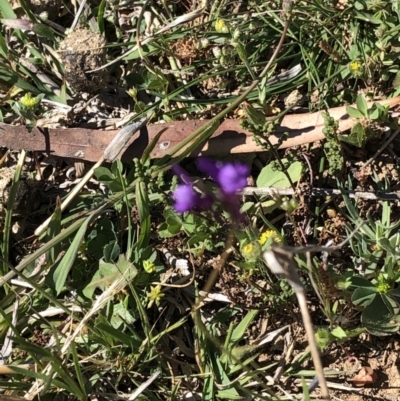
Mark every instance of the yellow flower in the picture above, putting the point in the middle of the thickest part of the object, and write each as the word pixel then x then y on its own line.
pixel 250 251
pixel 220 26
pixel 355 68
pixel 382 285
pixel 154 295
pixel 266 235
pixel 149 266
pixel 28 101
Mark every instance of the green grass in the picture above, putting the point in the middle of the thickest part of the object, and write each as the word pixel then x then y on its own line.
pixel 97 314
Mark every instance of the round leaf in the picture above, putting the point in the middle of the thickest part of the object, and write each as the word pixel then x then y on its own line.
pixel 270 177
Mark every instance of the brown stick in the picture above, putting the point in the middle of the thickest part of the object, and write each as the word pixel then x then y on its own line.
pixel 89 145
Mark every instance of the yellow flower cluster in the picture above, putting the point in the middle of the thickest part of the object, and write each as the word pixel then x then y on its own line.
pixel 220 26
pixel 149 266
pixel 248 249
pixel 266 235
pixel 356 68
pixel 28 101
pixel 154 296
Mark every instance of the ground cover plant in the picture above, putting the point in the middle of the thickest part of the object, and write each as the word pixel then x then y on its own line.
pixel 270 275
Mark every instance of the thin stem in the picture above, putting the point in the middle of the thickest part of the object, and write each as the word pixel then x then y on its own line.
pixel 301 298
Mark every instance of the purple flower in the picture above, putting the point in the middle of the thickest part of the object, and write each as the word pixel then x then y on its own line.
pixel 231 177
pixel 186 198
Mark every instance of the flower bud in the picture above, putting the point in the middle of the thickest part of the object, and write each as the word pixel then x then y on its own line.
pixel 204 42
pixel 217 52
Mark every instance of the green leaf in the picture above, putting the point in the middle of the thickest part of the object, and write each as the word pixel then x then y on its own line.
pixel 367 17
pixel 353 112
pixel 359 281
pixel 364 296
pixel 6 9
pixel 54 229
pixel 378 319
pixel 143 205
pixel 230 392
pixel 150 147
pixel 45 31
pixel 357 136
pixel 109 272
pixel 117 168
pixel 12 78
pixel 240 329
pixel 270 177
pixel 3 47
pixel 119 336
pixel 323 338
pixel 121 316
pixel 385 244
pixel 396 81
pixel 362 105
pixel 245 265
pixel 100 16
pixel 60 273
pixel 339 333
pixel 145 50
pixel 375 114
pixel 103 174
pixel 111 251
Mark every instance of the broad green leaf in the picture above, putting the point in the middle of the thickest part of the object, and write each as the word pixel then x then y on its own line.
pixel 339 333
pixel 378 319
pixel 362 105
pixel 121 316
pixel 396 81
pixel 270 177
pixel 385 244
pixel 166 231
pixel 364 296
pixel 353 112
pixel 359 281
pixel 375 114
pixel 108 273
pixel 323 338
pixel 356 136
pixel 111 252
pixel 103 174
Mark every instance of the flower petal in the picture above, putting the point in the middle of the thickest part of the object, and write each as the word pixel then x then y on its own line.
pixel 208 167
pixel 233 177
pixel 185 197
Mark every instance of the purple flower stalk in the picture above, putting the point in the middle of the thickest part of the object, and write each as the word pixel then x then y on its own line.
pixel 186 198
pixel 230 178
